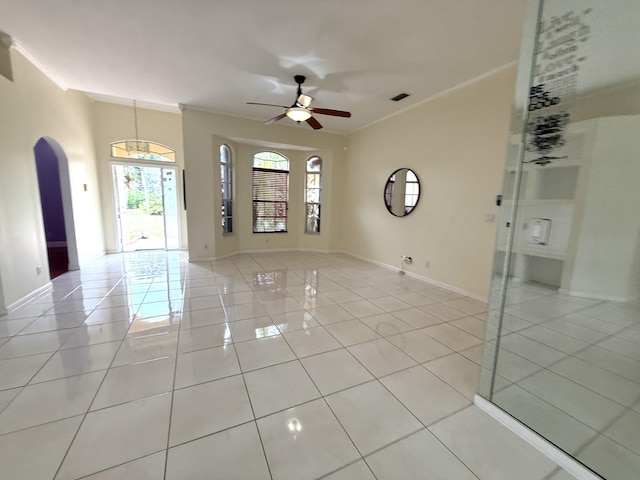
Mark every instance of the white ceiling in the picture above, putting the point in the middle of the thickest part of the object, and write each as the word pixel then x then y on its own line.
pixel 220 54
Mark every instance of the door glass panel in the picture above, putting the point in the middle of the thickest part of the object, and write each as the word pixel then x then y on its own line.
pixel 147 207
pixel 171 222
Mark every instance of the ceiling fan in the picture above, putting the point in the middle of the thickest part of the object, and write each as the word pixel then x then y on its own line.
pixel 300 111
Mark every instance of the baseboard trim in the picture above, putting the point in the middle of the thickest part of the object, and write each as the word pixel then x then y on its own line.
pixel 28 297
pixel 608 298
pixel 86 262
pixel 205 259
pixel 265 252
pixel 421 278
pixel 287 250
pixel 415 276
pixel 545 447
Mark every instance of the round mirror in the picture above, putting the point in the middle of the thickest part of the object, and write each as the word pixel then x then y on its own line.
pixel 402 192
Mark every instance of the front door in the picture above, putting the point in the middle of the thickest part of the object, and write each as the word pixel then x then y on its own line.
pixel 146 204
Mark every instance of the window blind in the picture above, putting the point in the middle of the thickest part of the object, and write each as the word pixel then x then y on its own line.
pixel 270 200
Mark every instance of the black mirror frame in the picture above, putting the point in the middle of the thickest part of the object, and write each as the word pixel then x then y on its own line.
pixel 384 192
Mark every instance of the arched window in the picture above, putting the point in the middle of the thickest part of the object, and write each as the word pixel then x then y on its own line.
pixel 142 150
pixel 270 192
pixel 226 183
pixel 313 195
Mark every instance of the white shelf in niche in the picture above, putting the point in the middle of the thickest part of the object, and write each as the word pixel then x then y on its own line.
pixel 538 252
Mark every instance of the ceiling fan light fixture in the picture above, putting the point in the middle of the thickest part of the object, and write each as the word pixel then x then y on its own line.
pixel 298 114
pixel 300 111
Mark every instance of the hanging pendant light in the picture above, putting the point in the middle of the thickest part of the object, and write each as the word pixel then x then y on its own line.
pixel 136 148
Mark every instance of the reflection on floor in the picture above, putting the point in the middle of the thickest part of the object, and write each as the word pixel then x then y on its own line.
pixel 256 366
pixel 58 261
pixel 569 368
pixel 145 243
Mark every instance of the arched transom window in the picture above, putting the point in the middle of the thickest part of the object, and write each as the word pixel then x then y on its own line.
pixel 142 150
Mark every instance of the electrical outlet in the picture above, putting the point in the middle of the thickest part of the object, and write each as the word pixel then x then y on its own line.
pixel 427 264
pixel 38 270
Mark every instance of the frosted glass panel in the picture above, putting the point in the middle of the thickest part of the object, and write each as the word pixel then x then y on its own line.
pixel 563 342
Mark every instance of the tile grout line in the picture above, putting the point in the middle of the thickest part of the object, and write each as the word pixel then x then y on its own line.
pixel 377 379
pixel 98 390
pixel 298 359
pixel 68 449
pixel 326 403
pixel 253 413
pixel 424 426
pixel 173 385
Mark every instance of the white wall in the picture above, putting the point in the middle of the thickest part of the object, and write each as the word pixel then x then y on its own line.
pixel 33 107
pixel 456 144
pixel 116 122
pixel 607 238
pixel 203 133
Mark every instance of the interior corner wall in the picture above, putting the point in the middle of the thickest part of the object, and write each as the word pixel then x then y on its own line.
pixel 456 144
pixel 114 122
pixel 33 107
pixel 203 132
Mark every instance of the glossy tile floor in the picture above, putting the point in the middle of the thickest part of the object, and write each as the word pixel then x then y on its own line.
pixel 284 366
pixel 569 368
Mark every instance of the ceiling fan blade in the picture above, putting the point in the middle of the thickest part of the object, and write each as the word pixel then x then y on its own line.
pixel 267 104
pixel 315 124
pixel 301 106
pixel 275 119
pixel 328 111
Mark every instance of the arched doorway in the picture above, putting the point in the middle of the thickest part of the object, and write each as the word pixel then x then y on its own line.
pixel 52 167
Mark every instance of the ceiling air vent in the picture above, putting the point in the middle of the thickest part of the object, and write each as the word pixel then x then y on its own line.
pixel 399 97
